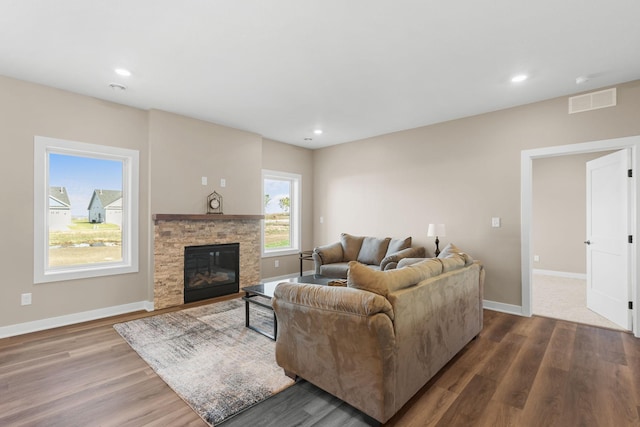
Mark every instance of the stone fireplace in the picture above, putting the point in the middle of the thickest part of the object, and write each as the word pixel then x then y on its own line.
pixel 174 232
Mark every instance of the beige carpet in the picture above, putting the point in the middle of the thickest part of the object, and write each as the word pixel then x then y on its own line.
pixel 208 357
pixel 566 299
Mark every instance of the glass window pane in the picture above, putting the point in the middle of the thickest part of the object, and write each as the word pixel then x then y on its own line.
pixel 277 208
pixel 85 210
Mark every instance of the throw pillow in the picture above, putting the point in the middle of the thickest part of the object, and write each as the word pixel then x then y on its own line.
pixel 448 250
pixel 451 249
pixel 350 246
pixel 396 245
pixel 373 250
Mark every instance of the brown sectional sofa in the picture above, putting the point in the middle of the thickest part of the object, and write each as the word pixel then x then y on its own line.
pixel 379 254
pixel 375 343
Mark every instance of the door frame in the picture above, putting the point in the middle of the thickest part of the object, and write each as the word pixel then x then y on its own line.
pixel 526 206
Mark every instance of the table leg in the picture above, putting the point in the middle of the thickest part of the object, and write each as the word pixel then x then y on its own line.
pixel 248 298
pixel 246 309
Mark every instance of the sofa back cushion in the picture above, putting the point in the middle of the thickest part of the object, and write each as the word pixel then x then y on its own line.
pixel 452 262
pixel 350 246
pixel 396 245
pixel 384 282
pixel 373 250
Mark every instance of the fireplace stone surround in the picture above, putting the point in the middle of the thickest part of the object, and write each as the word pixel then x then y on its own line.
pixel 172 232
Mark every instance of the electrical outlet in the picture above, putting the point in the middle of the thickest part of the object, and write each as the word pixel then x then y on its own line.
pixel 495 222
pixel 204 180
pixel 277 263
pixel 25 299
pixel 223 182
pixel 536 258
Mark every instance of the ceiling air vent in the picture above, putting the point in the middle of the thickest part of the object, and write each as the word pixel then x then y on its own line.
pixel 592 101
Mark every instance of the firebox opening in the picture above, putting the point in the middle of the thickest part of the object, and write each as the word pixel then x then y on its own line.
pixel 211 271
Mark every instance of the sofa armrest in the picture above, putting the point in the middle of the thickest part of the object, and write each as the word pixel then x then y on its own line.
pixel 408 261
pixel 327 254
pixel 330 253
pixel 332 298
pixel 391 261
pixel 340 339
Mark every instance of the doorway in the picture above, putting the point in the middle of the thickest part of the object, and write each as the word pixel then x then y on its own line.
pixel 527 158
pixel 559 285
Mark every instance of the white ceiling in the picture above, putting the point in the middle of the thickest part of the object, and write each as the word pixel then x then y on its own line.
pixel 354 68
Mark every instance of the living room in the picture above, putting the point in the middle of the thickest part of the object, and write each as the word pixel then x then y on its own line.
pixel 483 176
pixel 461 172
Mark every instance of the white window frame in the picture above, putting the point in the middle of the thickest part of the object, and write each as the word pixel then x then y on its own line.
pixel 295 213
pixel 42 272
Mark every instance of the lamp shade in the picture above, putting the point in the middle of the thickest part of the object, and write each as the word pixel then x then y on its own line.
pixel 437 230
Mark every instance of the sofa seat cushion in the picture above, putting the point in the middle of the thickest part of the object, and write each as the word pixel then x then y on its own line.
pixel 339 270
pixel 373 250
pixel 350 246
pixel 336 269
pixel 384 282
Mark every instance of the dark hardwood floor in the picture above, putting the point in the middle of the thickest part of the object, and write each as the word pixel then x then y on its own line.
pixel 518 372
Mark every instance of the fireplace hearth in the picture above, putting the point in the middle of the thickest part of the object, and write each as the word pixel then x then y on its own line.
pixel 211 271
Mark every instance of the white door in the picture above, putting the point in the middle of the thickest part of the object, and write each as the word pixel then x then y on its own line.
pixel 607 241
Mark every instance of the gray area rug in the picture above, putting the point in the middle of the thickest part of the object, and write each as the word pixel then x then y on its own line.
pixel 208 357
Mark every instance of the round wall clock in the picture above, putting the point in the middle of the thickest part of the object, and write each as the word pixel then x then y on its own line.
pixel 214 203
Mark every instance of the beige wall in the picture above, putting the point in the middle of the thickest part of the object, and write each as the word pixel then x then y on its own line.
pixel 288 158
pixel 461 173
pixel 559 212
pixel 183 150
pixel 27 110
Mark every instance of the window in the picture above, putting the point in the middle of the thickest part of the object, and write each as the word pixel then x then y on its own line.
pixel 85 210
pixel 281 209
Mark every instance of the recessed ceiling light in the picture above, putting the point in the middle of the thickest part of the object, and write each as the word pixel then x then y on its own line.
pixel 519 78
pixel 582 79
pixel 318 131
pixel 122 72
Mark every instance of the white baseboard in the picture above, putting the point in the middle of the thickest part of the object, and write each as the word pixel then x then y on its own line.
pixel 502 307
pixel 70 319
pixel 564 274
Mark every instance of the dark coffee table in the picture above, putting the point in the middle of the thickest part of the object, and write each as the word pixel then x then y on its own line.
pixel 265 290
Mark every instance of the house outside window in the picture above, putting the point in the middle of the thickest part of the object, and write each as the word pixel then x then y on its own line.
pixel 282 211
pixel 85 210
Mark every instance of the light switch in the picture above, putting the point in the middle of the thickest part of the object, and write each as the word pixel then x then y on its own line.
pixel 204 180
pixel 25 299
pixel 495 222
pixel 223 182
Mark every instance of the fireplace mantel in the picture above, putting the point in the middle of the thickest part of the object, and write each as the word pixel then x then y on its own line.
pixel 202 217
